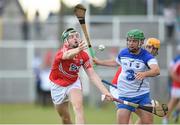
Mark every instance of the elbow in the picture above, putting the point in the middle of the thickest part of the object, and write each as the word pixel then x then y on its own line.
pixel 157 72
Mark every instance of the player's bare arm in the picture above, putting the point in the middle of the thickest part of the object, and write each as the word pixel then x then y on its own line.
pixel 108 62
pixel 97 81
pixel 153 71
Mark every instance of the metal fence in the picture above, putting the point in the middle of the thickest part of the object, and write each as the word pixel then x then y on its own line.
pixel 16 74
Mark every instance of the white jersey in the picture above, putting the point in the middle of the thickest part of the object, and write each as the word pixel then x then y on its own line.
pixel 127 85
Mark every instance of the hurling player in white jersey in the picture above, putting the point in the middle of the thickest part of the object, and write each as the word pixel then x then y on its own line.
pixel 133 85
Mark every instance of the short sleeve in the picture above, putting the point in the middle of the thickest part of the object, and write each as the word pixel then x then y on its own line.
pixel 59 55
pixel 152 61
pixel 118 58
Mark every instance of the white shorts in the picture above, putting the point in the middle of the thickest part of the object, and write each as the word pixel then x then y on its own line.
pixel 175 92
pixel 59 94
pixel 114 93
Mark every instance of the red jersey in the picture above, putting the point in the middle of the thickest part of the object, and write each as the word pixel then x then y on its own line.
pixel 175 66
pixel 176 69
pixel 65 72
pixel 115 79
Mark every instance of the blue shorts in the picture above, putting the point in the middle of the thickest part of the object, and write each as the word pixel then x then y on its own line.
pixel 142 100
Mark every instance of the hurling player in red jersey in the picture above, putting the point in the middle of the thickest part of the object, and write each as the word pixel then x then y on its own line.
pixel 65 82
pixel 175 86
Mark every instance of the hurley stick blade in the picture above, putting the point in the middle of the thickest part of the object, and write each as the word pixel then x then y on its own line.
pixel 160 110
pixel 80 11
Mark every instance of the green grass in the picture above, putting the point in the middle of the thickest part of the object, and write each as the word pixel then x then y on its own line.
pixel 34 114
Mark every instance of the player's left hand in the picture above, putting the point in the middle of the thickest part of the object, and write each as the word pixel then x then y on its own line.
pixel 95 60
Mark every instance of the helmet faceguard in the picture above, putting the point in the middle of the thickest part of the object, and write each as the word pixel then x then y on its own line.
pixel 67 33
pixel 136 35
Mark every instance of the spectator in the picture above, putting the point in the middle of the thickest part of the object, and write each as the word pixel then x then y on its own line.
pixel 41 68
pixel 178 24
pixel 170 18
pixel 48 59
pixel 25 27
pixel 36 65
pixel 37 26
pixel 175 89
pixel 45 96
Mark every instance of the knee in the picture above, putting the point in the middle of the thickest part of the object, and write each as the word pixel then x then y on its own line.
pixel 65 118
pixel 78 108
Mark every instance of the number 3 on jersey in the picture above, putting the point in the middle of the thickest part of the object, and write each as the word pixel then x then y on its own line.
pixel 130 75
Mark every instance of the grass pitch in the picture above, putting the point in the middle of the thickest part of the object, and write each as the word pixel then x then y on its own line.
pixel 35 114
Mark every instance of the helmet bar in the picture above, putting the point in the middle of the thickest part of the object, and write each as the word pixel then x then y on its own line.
pixel 67 33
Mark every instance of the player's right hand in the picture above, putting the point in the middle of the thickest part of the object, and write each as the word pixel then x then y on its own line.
pixel 108 97
pixel 140 75
pixel 82 45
